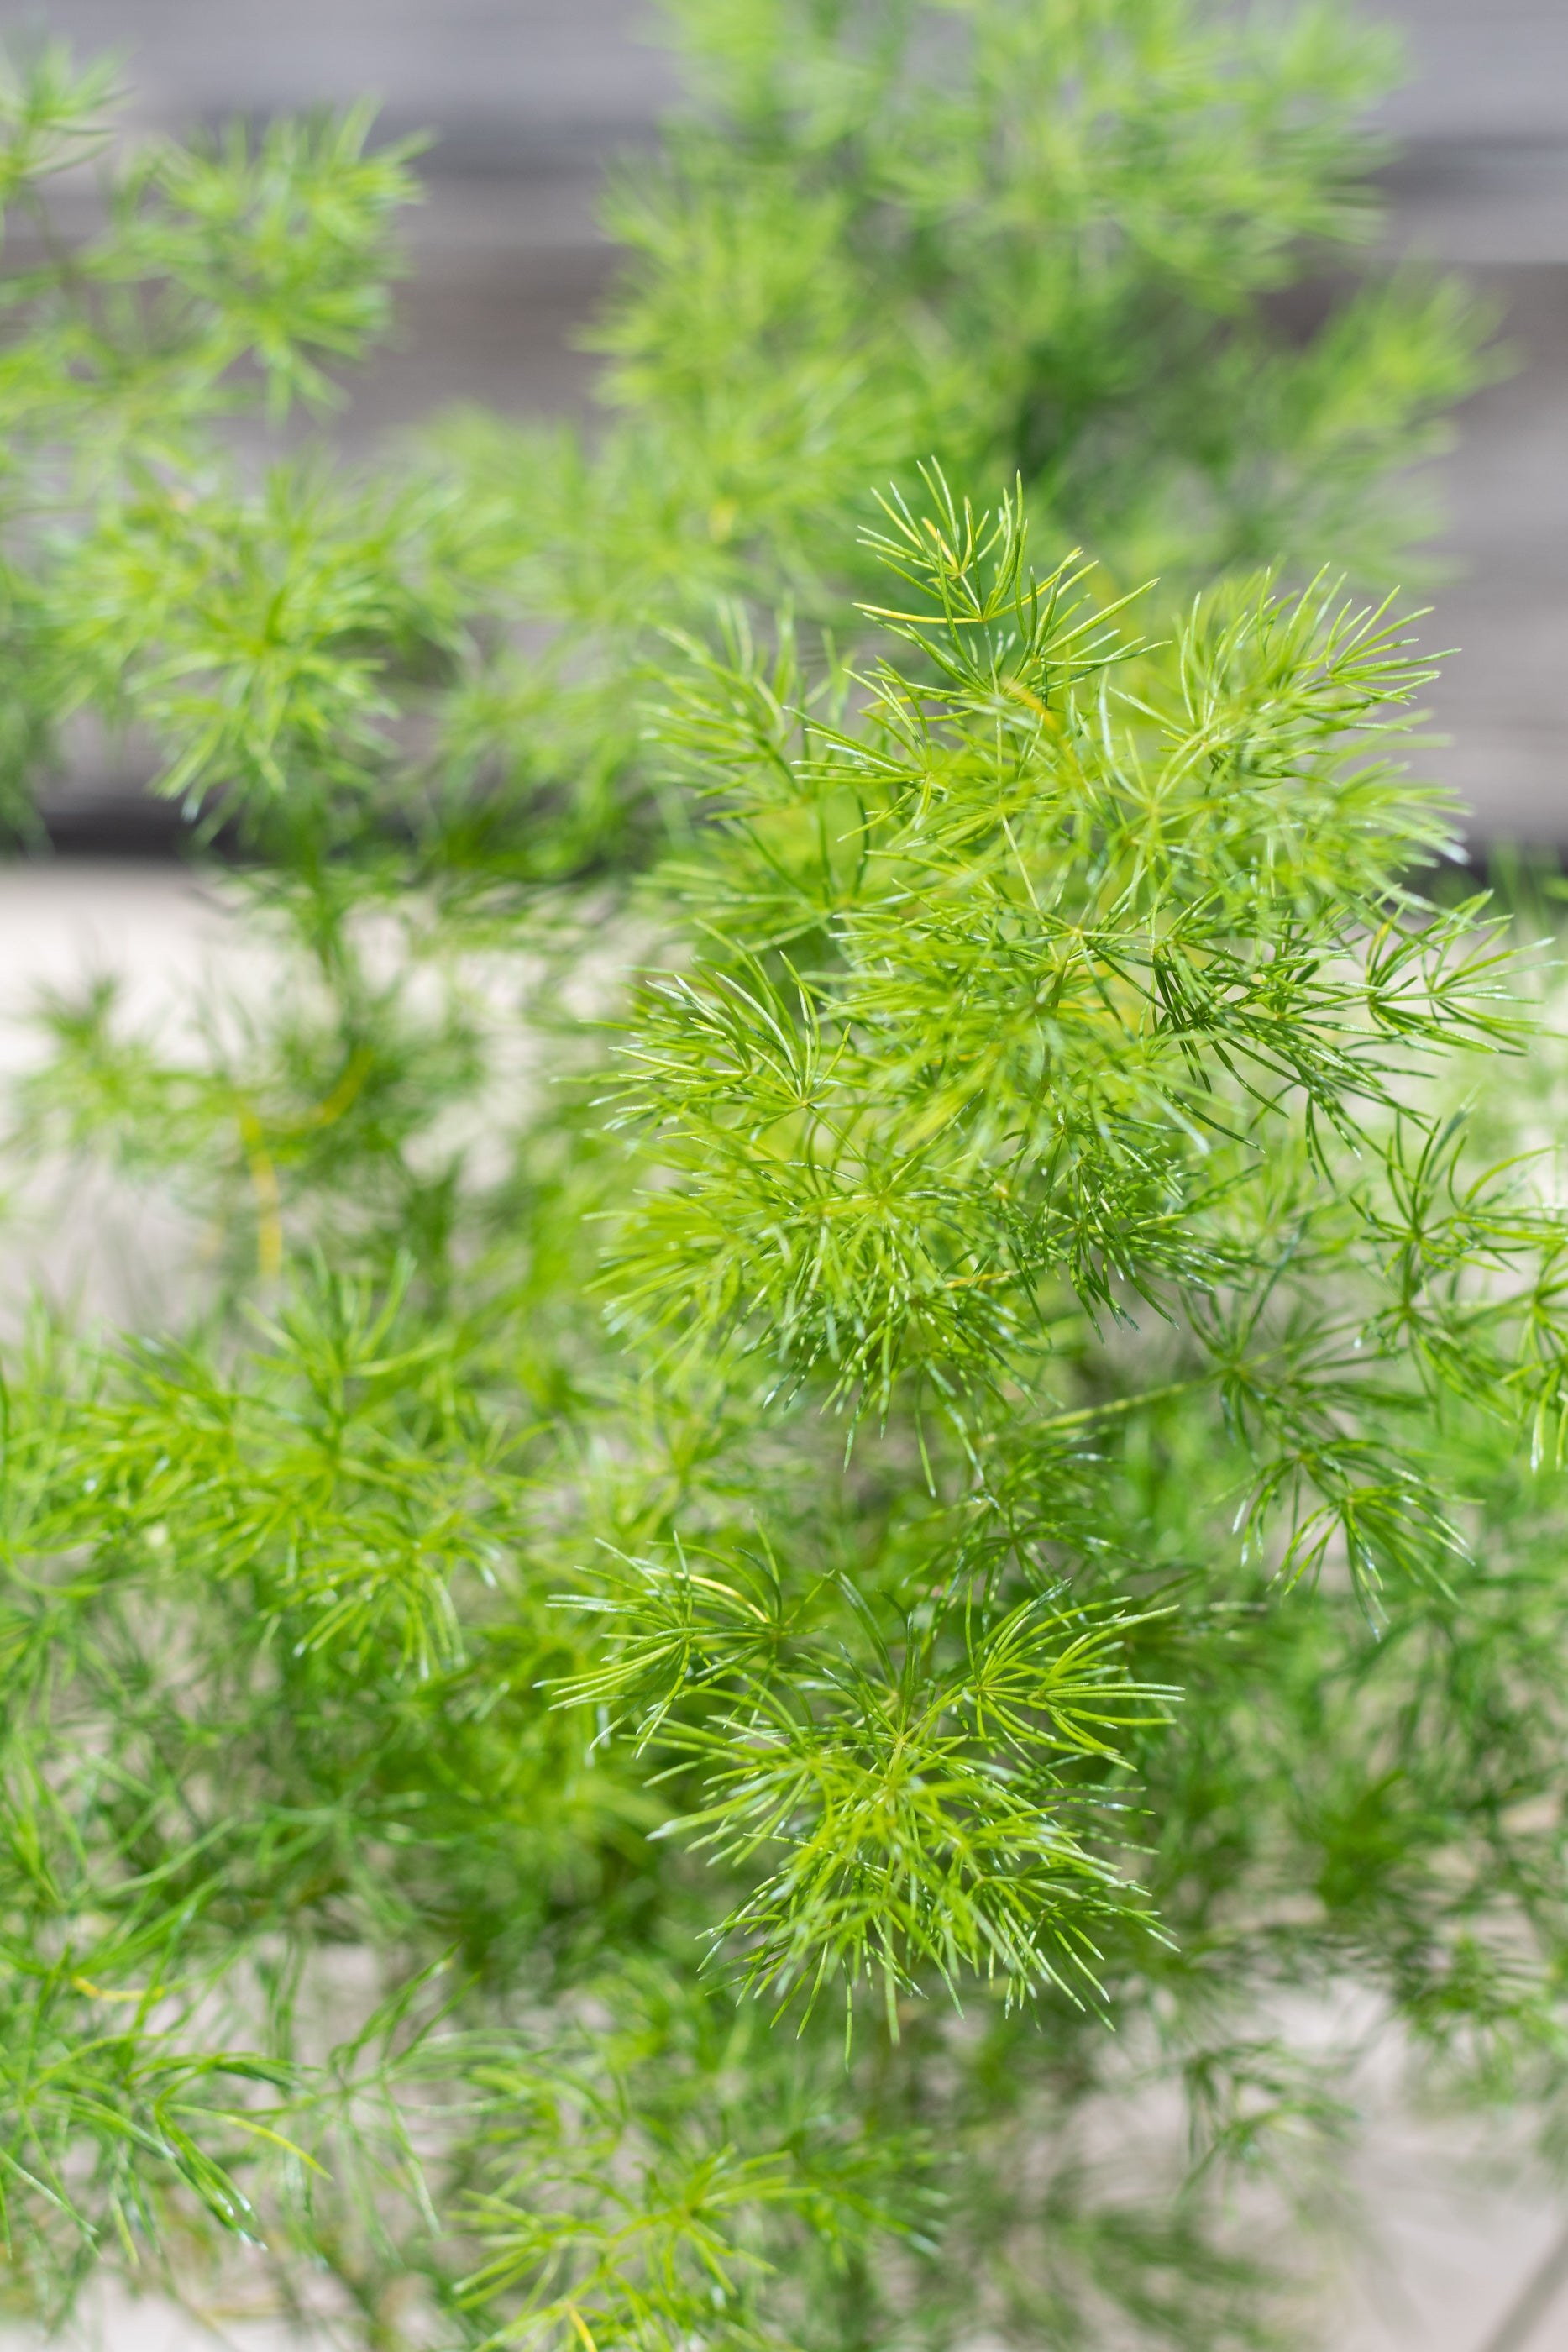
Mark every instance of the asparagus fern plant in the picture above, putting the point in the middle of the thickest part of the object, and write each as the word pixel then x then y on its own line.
pixel 805 1589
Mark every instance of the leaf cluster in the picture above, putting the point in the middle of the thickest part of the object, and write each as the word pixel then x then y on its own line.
pixel 598 1730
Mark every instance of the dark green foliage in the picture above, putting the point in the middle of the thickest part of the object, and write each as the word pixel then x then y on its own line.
pixel 779 1637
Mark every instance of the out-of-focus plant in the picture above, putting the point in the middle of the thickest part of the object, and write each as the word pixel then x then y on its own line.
pixel 220 279
pixel 1085 241
pixel 1053 239
pixel 758 1670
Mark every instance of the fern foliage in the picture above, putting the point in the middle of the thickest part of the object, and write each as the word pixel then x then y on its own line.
pixel 852 1509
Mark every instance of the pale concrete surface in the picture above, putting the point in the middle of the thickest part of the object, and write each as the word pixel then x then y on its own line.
pixel 95 1248
pixel 1451 2245
pixel 157 929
